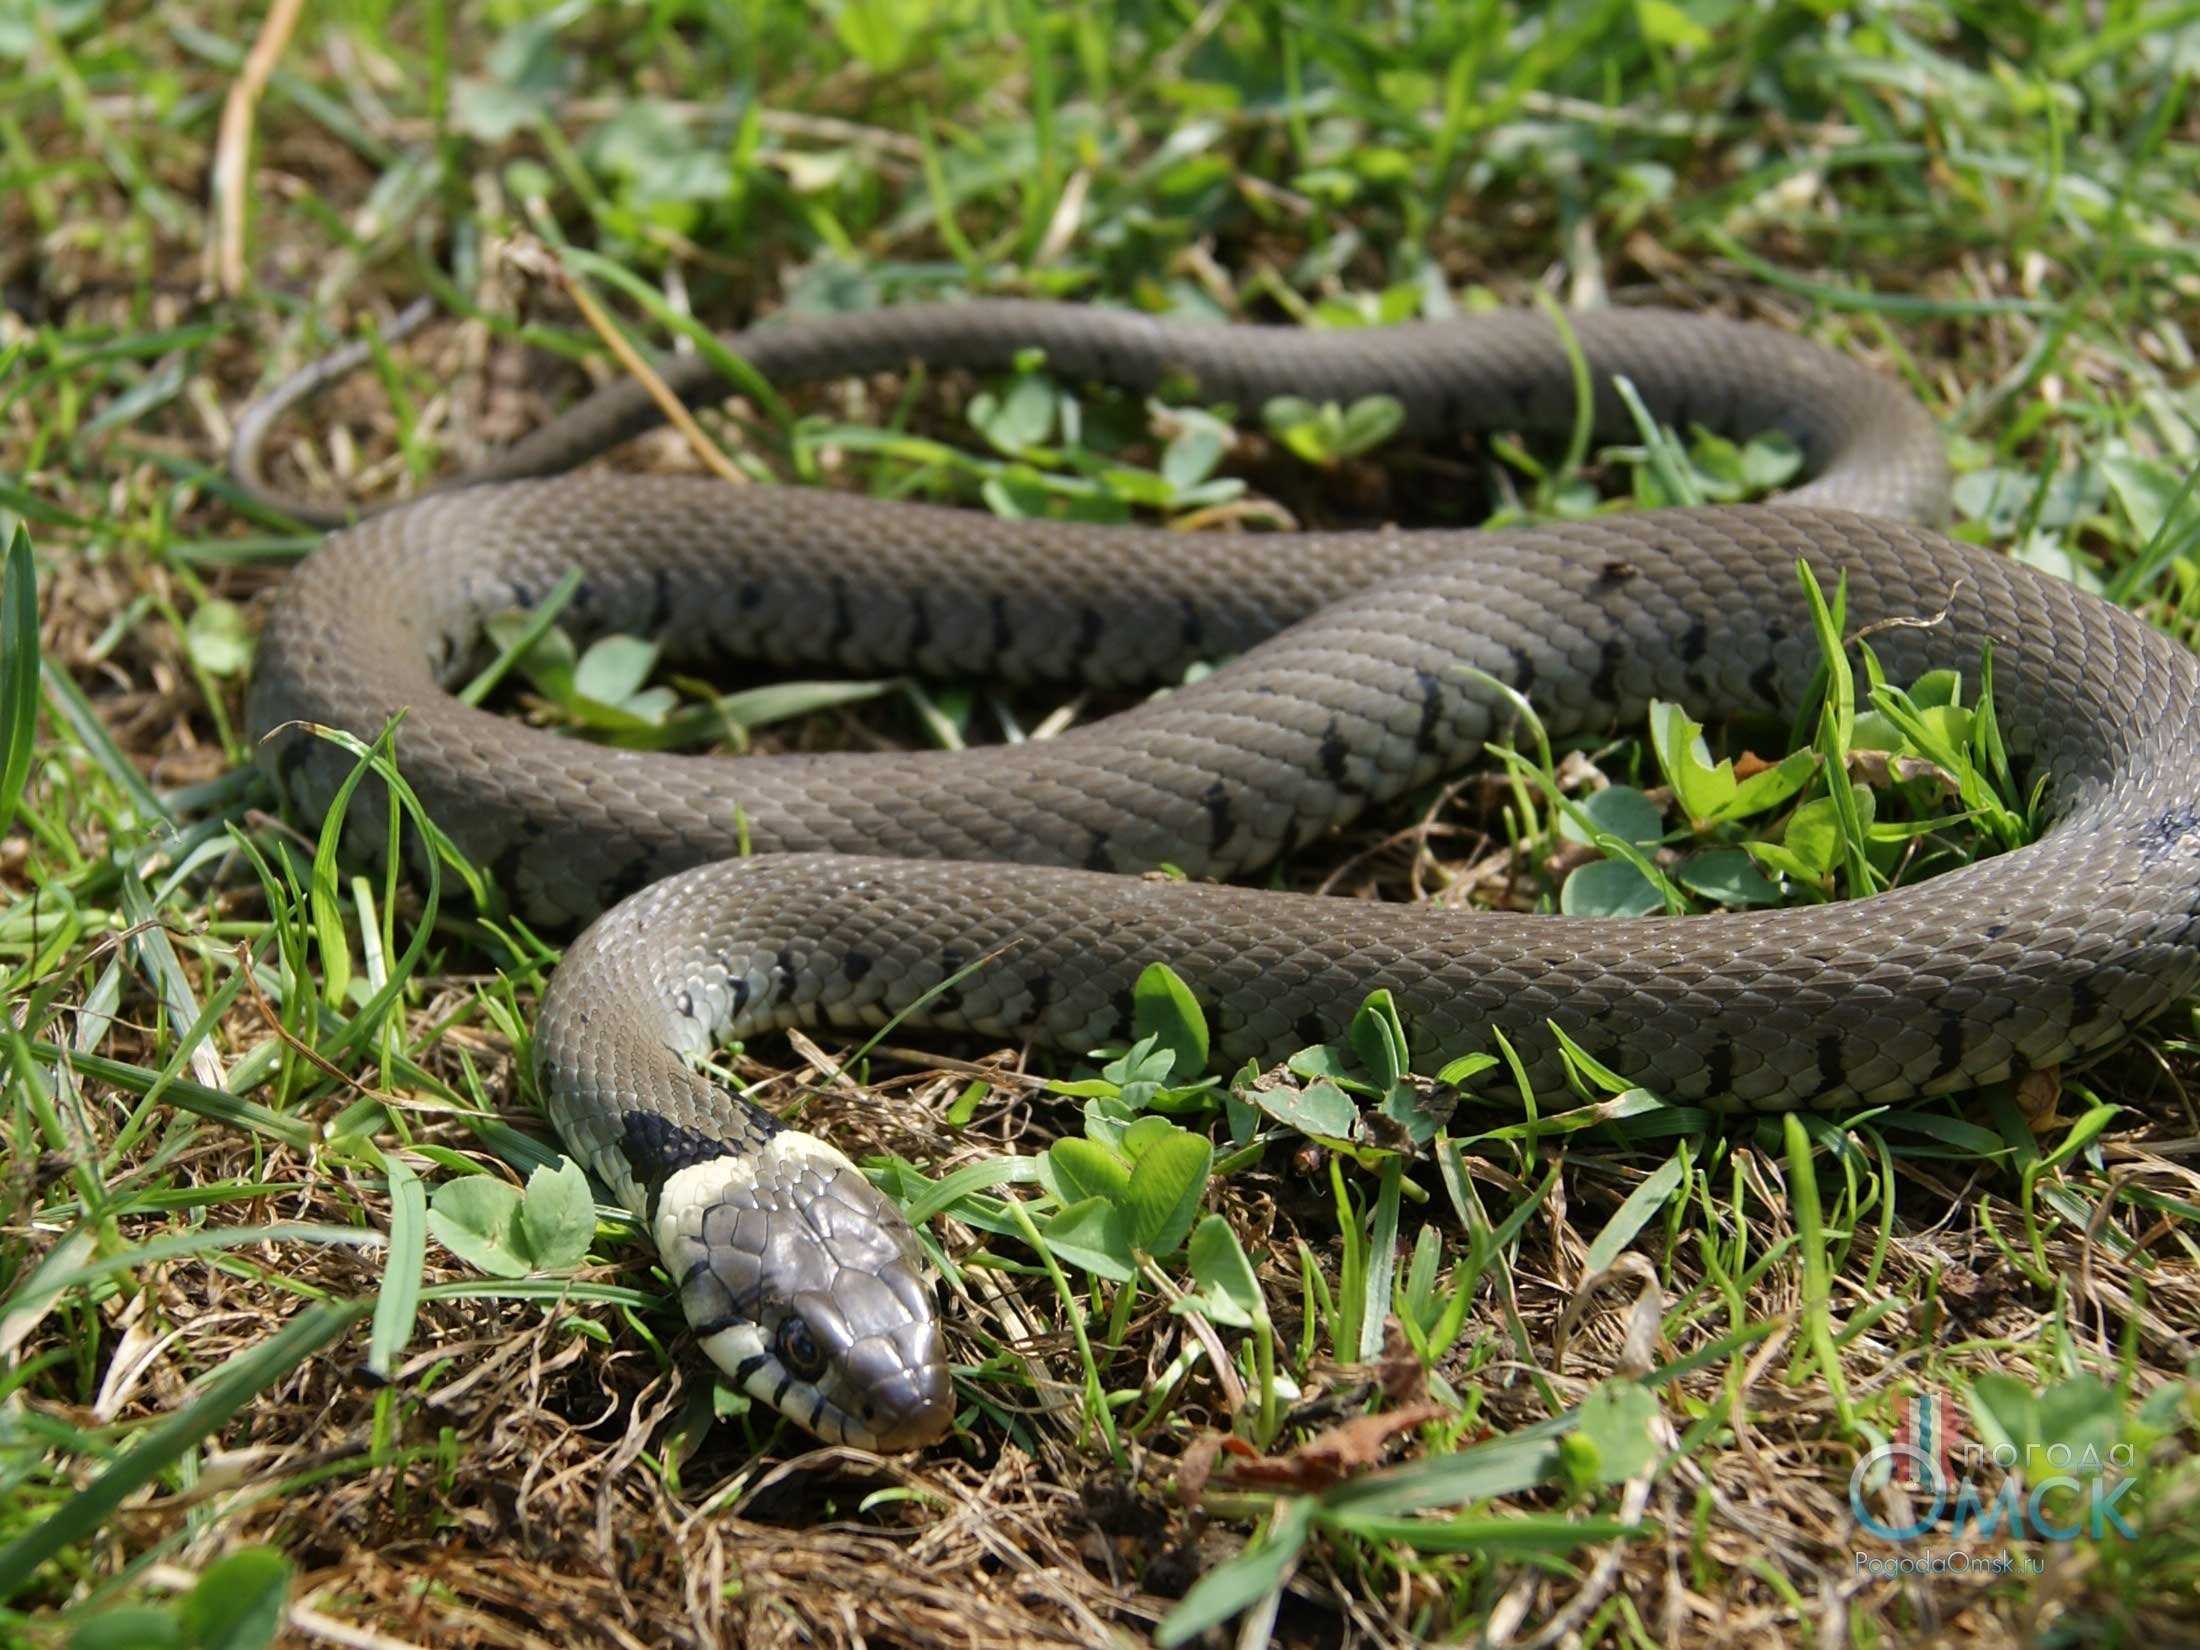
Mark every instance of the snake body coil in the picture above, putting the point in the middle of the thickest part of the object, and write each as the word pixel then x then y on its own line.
pixel 1359 678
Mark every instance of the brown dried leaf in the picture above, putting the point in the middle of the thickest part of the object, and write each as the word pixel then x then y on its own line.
pixel 1343 1451
pixel 1197 1466
pixel 2037 1093
pixel 1749 764
pixel 1399 1372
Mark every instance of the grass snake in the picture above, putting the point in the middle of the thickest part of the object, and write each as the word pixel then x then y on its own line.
pixel 732 897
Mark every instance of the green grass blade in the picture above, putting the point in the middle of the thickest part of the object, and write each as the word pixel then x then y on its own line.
pixel 192 1097
pixel 1810 1227
pixel 1632 1215
pixel 398 1302
pixel 234 1385
pixel 18 673
pixel 1382 1261
pixel 1235 1587
pixel 1503 1466
pixel 68 703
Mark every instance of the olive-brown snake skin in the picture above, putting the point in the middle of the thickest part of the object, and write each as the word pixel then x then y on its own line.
pixel 1353 684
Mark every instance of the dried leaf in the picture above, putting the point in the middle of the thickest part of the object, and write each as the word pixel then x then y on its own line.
pixel 2037 1092
pixel 1196 1466
pixel 1346 1450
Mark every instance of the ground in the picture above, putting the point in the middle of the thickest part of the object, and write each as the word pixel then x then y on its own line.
pixel 249 1387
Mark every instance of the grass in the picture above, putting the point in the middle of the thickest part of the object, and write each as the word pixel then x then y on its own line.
pixel 246 1385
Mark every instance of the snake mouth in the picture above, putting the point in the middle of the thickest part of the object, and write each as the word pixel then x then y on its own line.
pixel 886 1389
pixel 908 1414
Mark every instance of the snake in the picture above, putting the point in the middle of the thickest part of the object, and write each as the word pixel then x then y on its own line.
pixel 1018 890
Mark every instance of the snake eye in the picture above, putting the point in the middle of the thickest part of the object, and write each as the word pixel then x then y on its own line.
pixel 798 1349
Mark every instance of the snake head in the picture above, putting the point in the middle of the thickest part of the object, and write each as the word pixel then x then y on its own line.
pixel 806 1285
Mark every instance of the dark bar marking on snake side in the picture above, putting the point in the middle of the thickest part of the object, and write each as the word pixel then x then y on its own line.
pixel 660 598
pixel 996 609
pixel 1221 823
pixel 293 752
pixel 844 619
pixel 948 998
pixel 749 596
pixel 856 964
pixel 683 1003
pixel 1195 627
pixel 783 972
pixel 1764 681
pixel 1605 684
pixel 920 624
pixel 1831 1074
pixel 817 1409
pixel 1695 642
pixel 1224 1019
pixel 1432 708
pixel 786 1380
pixel 1950 1041
pixel 1332 756
pixel 1311 1028
pixel 505 868
pixel 1719 1070
pixel 1126 1007
pixel 1040 988
pixel 1091 626
pixel 1097 857
pixel 1523 668
pixel 2085 1004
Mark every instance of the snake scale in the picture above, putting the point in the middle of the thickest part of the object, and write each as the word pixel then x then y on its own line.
pixel 878 877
